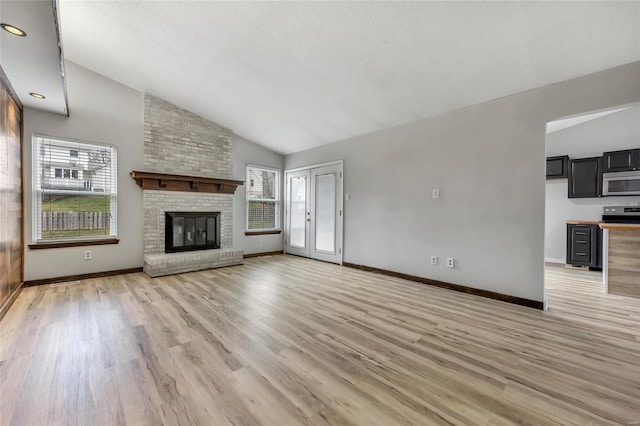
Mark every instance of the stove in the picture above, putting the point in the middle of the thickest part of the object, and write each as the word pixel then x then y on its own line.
pixel 621 214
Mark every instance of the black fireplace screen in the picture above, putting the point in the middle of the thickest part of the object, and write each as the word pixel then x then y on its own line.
pixel 186 231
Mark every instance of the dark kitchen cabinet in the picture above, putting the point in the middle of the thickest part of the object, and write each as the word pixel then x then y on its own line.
pixel 584 245
pixel 585 177
pixel 558 167
pixel 621 161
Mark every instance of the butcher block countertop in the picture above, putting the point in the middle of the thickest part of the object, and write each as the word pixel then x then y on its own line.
pixel 621 226
pixel 622 259
pixel 583 222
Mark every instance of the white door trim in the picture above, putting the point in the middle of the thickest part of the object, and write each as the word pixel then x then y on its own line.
pixel 315 166
pixel 339 205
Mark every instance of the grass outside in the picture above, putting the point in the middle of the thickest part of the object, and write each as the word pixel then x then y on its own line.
pixel 77 204
pixel 58 234
pixel 260 224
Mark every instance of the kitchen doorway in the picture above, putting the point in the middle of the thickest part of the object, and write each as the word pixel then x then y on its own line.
pixel 580 154
pixel 313 211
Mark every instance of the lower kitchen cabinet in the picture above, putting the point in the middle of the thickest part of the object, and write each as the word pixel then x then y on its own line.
pixel 584 245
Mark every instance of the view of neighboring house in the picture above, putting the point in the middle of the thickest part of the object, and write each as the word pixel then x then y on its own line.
pixel 262 198
pixel 74 167
pixel 75 189
pixel 262 184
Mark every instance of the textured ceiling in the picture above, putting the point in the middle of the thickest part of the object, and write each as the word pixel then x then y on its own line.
pixel 293 75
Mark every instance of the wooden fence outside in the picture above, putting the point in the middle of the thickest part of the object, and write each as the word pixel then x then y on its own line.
pixel 60 221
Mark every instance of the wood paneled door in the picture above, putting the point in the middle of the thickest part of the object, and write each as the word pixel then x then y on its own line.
pixel 11 214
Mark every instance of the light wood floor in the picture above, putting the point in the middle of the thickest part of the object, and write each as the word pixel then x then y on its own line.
pixel 286 341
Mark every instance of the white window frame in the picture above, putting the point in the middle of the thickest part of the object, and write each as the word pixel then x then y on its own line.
pixel 277 200
pixel 36 199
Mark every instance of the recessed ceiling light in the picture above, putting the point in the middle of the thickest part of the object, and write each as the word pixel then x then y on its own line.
pixel 13 30
pixel 37 95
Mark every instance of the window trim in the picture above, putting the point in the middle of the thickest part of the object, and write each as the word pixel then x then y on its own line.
pixel 274 231
pixel 278 225
pixel 70 241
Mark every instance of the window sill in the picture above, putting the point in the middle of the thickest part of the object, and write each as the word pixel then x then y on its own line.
pixel 274 231
pixel 76 243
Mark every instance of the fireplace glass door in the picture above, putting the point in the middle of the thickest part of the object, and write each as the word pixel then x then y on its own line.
pixel 186 231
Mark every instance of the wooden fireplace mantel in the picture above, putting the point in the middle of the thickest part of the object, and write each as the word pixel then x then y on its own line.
pixel 166 182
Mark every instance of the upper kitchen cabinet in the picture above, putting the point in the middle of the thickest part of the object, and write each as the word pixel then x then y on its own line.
pixel 621 161
pixel 585 177
pixel 558 167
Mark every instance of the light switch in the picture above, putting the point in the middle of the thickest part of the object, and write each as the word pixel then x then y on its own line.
pixel 347 196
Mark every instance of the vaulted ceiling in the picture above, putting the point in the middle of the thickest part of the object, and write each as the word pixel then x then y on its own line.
pixel 294 75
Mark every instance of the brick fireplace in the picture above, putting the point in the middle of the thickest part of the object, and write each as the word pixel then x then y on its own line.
pixel 178 142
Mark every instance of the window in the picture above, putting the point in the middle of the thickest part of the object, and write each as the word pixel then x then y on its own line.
pixel 263 199
pixel 73 200
pixel 66 173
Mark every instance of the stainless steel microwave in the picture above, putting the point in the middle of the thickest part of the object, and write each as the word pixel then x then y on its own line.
pixel 621 183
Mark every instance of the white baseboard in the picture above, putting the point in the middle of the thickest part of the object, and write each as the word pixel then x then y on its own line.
pixel 554 260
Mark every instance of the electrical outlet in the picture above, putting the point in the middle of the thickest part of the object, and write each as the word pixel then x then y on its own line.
pixel 451 262
pixel 87 255
pixel 434 260
pixel 435 193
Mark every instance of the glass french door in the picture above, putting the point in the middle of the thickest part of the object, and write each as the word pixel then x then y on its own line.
pixel 314 212
pixel 298 215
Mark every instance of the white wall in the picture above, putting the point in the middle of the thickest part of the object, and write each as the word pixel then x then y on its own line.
pixel 488 161
pixel 246 152
pixel 613 132
pixel 104 111
pixel 617 131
